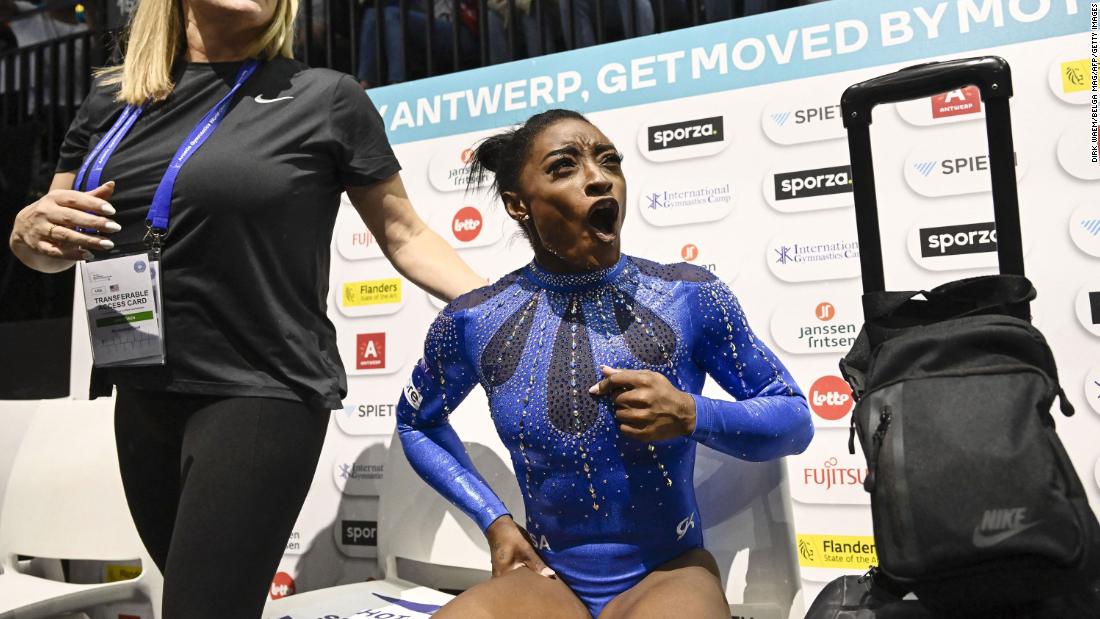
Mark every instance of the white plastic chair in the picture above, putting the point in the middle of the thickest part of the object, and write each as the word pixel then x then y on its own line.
pixel 425 540
pixel 424 544
pixel 65 501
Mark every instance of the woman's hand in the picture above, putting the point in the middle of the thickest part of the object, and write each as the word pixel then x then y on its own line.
pixel 44 235
pixel 510 549
pixel 647 406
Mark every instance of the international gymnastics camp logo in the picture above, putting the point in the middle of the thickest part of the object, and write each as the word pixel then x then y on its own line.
pixel 679 203
pixel 810 259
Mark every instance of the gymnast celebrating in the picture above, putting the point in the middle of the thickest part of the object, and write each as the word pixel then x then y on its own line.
pixel 593 362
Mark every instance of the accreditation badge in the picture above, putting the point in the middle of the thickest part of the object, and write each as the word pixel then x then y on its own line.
pixel 125 316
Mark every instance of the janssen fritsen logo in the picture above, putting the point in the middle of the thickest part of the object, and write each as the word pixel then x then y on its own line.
pixel 815 182
pixel 449 169
pixel 812 325
pixel 958 240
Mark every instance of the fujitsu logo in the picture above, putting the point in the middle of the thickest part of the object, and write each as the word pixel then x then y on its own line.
pixel 998 525
pixel 830 475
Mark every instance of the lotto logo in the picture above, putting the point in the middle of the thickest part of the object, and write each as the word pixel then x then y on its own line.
pixel 957 102
pixel 467 224
pixel 370 351
pixel 830 398
pixel 282 585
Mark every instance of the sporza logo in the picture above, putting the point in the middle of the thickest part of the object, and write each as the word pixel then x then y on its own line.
pixel 359 532
pixel 698 137
pixel 816 182
pixel 689 133
pixel 683 526
pixel 957 240
pixel 999 525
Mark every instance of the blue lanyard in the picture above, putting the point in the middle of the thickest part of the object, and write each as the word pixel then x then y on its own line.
pixel 157 219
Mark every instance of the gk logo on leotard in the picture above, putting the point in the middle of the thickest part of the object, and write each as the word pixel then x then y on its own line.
pixel 684 525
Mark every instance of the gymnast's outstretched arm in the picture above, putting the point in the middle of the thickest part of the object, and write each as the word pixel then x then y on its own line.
pixel 439 382
pixel 770 418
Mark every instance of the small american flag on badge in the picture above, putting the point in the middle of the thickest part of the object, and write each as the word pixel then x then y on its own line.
pixel 114 287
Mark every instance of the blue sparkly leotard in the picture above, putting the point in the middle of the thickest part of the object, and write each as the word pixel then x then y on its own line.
pixel 604 510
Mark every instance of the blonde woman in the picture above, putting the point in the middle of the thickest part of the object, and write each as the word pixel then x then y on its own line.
pixel 218 446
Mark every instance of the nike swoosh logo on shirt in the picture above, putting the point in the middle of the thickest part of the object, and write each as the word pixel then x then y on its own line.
pixel 984 540
pixel 260 99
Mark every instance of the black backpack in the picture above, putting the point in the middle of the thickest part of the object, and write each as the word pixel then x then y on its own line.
pixel 974 501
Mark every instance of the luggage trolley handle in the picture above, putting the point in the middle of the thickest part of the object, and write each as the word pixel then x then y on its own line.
pixel 993 78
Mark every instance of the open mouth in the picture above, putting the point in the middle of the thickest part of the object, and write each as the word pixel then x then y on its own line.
pixel 603 217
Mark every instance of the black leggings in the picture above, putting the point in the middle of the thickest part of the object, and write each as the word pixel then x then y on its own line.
pixel 215 485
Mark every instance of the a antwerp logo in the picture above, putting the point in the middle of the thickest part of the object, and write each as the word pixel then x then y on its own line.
pixel 781 118
pixel 370 351
pixel 957 102
pixel 683 526
pixel 998 525
pixel 925 167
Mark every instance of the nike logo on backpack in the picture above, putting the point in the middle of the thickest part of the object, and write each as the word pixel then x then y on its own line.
pixel 260 99
pixel 998 525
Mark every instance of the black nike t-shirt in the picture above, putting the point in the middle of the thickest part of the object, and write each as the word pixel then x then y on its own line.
pixel 245 267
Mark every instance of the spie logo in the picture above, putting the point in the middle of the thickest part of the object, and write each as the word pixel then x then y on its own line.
pixel 957 103
pixel 370 351
pixel 467 224
pixel 924 168
pixel 281 586
pixel 781 118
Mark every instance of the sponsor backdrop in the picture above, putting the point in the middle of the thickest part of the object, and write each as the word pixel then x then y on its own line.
pixel 737 161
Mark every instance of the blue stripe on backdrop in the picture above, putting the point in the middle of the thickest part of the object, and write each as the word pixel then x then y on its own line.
pixel 818 39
